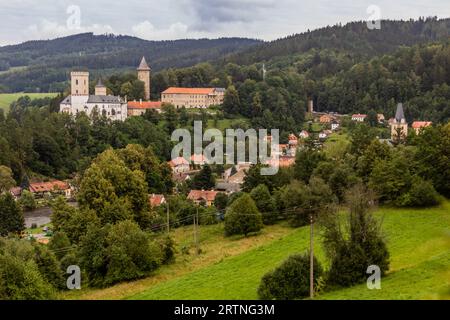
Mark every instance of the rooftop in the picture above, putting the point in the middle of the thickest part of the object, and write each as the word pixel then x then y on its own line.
pixel 179 90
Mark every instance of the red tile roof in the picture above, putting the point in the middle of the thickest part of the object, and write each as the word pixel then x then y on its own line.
pixel 48 186
pixel 144 104
pixel 178 90
pixel 421 124
pixel 198 195
pixel 178 161
pixel 358 115
pixel 16 191
pixel 156 200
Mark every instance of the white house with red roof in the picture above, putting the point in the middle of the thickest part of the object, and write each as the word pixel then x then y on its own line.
pixel 156 200
pixel 203 196
pixel 359 117
pixel 179 165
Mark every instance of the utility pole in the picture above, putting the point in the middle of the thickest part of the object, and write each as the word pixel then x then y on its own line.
pixel 168 219
pixel 195 232
pixel 311 258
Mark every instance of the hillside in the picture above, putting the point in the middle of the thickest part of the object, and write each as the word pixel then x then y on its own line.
pixel 232 268
pixel 353 38
pixel 108 53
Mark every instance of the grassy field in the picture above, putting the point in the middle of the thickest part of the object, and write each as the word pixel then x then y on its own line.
pixel 231 268
pixel 420 260
pixel 7 98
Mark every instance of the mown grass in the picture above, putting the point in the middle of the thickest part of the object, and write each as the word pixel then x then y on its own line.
pixel 417 241
pixel 7 98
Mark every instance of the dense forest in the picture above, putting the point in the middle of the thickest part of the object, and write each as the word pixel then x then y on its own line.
pixel 42 66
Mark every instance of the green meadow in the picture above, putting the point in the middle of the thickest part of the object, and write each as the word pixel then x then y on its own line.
pixel 418 241
pixel 7 98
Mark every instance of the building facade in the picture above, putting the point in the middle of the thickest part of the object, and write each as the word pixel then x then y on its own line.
pixel 193 97
pixel 138 108
pixel 79 100
pixel 399 126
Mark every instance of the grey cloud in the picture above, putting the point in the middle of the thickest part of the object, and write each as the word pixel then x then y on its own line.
pixel 210 13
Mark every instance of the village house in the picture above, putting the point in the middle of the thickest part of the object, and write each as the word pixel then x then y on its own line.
pixel 418 126
pixel 281 162
pixel 335 125
pixel 39 189
pixel 193 97
pixel 359 117
pixel 198 159
pixel 293 140
pixel 203 197
pixel 16 192
pixel 304 134
pixel 156 200
pixel 323 135
pixel 179 165
pixel 380 118
pixel 326 118
pixel 138 108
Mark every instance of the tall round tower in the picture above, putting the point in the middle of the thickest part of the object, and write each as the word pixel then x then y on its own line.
pixel 144 76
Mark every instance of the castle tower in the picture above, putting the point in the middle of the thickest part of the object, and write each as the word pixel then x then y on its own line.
pixel 399 126
pixel 100 89
pixel 144 76
pixel 79 83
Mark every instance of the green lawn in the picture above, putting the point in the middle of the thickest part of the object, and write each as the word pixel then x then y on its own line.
pixel 417 241
pixel 7 98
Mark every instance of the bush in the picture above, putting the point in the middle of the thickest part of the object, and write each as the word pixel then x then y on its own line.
pixel 118 253
pixel 421 194
pixel 290 280
pixel 168 250
pixel 27 200
pixel 243 217
pixel 351 250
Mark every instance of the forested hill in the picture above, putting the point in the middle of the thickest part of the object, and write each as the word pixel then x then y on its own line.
pixel 43 65
pixel 355 38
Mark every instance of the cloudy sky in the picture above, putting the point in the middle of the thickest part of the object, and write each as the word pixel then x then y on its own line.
pixel 22 20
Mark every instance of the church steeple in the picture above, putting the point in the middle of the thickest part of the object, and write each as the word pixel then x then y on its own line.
pixel 399 114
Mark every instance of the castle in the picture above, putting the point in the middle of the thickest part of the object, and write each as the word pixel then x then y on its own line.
pixel 118 108
pixel 79 100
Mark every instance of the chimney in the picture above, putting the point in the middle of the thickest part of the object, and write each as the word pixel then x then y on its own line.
pixel 140 101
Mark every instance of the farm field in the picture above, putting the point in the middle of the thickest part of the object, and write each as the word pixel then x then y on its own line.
pixel 418 241
pixel 7 98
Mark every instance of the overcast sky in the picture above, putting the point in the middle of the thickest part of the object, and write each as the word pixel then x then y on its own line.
pixel 22 20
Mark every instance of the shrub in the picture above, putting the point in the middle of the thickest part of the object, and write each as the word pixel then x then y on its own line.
pixel 168 250
pixel 353 249
pixel 111 254
pixel 421 194
pixel 290 280
pixel 243 217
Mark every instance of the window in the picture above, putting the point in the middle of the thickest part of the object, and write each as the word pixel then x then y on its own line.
pixel 76 82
